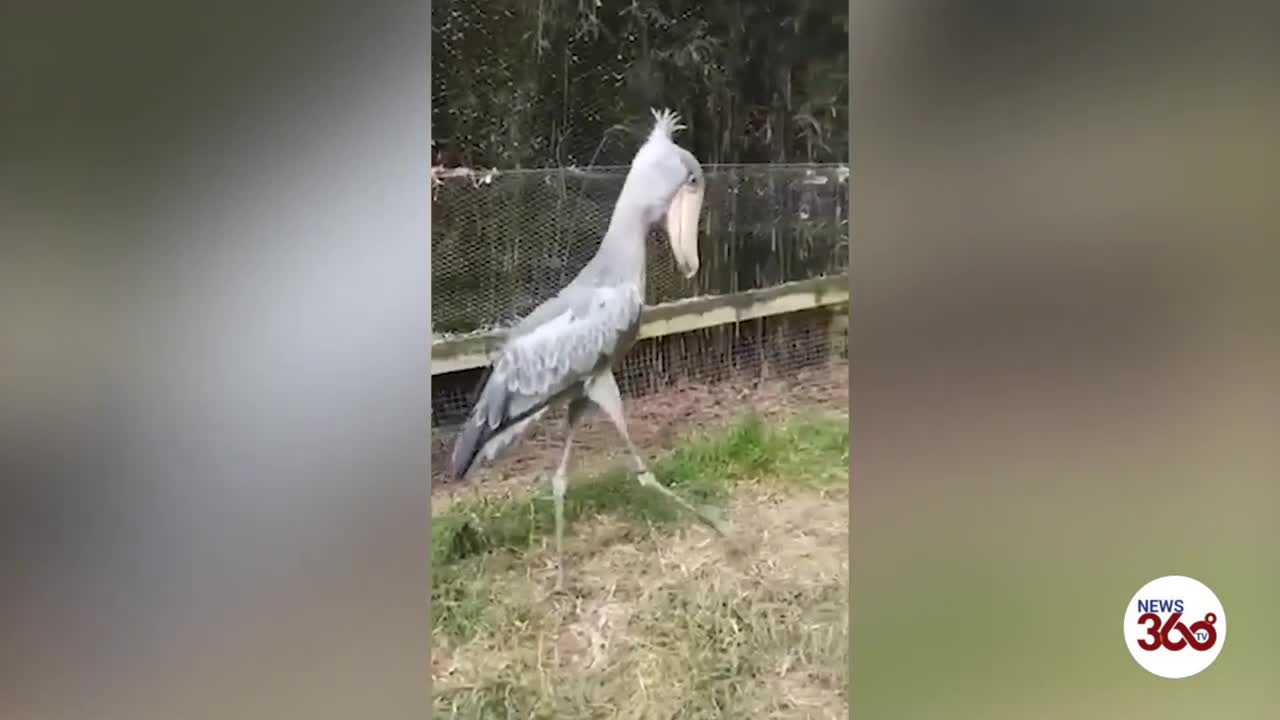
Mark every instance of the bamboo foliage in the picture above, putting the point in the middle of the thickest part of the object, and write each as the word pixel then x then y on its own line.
pixel 555 83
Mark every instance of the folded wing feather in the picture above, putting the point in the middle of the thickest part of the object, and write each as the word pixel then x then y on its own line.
pixel 559 346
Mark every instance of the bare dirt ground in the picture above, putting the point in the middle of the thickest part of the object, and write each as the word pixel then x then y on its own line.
pixel 656 423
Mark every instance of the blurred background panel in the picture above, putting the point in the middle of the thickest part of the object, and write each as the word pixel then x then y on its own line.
pixel 214 383
pixel 1064 353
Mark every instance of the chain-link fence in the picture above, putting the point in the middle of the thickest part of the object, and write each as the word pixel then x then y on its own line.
pixel 502 242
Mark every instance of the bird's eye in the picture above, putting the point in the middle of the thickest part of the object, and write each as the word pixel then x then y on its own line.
pixel 692 181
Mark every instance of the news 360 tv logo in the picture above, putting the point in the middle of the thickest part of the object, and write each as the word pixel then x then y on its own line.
pixel 1175 627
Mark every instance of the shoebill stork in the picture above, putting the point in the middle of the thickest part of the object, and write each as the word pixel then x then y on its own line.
pixel 566 349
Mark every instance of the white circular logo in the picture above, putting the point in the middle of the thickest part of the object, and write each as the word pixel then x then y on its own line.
pixel 1175 627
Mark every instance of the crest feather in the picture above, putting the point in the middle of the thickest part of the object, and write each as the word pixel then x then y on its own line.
pixel 665 122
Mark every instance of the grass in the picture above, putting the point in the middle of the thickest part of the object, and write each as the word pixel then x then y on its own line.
pixel 662 619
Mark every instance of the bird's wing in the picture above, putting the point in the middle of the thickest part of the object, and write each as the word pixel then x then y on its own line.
pixel 574 333
pixel 578 329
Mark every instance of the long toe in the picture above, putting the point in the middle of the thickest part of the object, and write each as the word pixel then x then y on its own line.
pixel 710 517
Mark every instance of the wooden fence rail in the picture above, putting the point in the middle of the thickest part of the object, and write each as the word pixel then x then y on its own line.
pixel 472 351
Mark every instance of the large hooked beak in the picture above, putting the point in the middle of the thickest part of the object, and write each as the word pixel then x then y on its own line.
pixel 682 228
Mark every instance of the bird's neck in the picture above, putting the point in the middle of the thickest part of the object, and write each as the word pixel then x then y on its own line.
pixel 621 257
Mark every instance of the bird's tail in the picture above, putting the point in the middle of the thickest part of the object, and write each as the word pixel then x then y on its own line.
pixel 471 437
pixel 476 430
pixel 498 419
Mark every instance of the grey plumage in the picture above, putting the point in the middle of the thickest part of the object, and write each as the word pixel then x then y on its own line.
pixel 546 357
pixel 592 321
pixel 565 350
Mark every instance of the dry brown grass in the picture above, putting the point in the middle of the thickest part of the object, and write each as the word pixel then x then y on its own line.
pixel 665 622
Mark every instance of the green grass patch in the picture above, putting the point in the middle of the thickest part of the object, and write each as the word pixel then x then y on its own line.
pixel 695 635
pixel 813 454
pixel 477 534
pixel 704 471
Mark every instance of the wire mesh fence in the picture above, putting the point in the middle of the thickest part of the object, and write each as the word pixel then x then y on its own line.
pixel 674 386
pixel 503 242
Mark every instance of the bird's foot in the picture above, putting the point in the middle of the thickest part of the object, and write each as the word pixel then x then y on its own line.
pixel 558 588
pixel 558 585
pixel 714 522
pixel 708 516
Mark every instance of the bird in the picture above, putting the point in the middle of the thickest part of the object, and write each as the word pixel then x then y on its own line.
pixel 567 348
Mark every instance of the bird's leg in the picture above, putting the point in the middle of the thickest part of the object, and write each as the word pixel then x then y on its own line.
pixel 603 391
pixel 559 484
